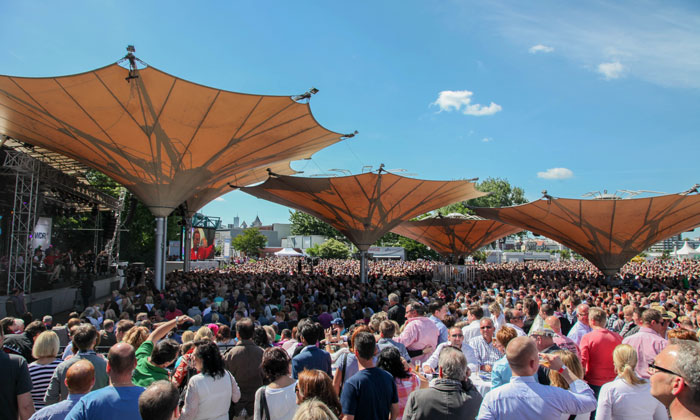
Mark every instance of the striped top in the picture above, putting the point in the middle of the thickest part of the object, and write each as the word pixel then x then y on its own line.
pixel 41 377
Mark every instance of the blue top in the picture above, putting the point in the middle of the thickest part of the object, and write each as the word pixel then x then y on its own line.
pixel 109 403
pixel 59 410
pixel 369 394
pixel 442 329
pixel 501 373
pixel 311 357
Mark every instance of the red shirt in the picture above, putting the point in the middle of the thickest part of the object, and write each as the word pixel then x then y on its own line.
pixel 597 349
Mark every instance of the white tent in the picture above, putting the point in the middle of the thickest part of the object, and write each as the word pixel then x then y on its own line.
pixel 687 251
pixel 288 252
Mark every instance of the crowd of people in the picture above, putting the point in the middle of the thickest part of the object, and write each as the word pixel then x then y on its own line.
pixel 286 339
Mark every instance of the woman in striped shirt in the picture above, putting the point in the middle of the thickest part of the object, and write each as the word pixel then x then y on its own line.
pixel 44 350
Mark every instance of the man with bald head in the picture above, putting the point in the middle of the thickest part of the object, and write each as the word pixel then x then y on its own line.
pixel 80 377
pixel 120 400
pixel 560 339
pixel 525 399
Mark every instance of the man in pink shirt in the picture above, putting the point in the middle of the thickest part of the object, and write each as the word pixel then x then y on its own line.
pixel 597 349
pixel 420 333
pixel 649 341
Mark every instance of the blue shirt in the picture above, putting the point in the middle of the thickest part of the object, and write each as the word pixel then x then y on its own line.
pixel 108 403
pixel 311 357
pixel 442 329
pixel 501 373
pixel 578 331
pixel 57 411
pixel 523 398
pixel 369 394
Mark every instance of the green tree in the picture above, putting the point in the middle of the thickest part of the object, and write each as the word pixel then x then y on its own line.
pixel 502 194
pixel 565 254
pixel 416 250
pixel 480 255
pixel 332 248
pixel 249 242
pixel 305 224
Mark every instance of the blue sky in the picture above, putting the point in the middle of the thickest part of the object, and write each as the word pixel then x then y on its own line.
pixel 570 97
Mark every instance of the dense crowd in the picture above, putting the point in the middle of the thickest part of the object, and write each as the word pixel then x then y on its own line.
pixel 287 338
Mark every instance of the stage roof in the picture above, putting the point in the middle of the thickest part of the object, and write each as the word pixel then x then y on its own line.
pixel 363 207
pixel 455 235
pixel 165 139
pixel 608 233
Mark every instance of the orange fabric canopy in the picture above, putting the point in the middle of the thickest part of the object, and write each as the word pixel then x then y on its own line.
pixel 608 233
pixel 165 139
pixel 363 207
pixel 455 235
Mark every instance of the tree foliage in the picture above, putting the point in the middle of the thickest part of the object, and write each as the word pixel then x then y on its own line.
pixel 249 242
pixel 305 224
pixel 502 194
pixel 332 248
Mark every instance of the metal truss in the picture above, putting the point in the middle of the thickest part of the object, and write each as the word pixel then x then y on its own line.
pixel 23 220
pixel 112 246
pixel 201 221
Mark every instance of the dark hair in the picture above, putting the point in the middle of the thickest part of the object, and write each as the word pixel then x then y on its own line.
pixel 531 308
pixel 476 310
pixel 245 328
pixel 34 328
pixel 6 325
pixel 310 332
pixel 390 360
pixel 314 383
pixel 275 363
pixel 260 337
pixel 435 305
pixel 164 351
pixel 158 401
pixel 212 363
pixel 224 333
pixel 387 329
pixel 365 345
pixel 83 335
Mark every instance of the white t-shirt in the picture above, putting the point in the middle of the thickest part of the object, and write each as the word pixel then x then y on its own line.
pixel 282 402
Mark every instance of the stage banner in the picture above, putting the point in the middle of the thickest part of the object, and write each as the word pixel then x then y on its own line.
pixel 42 234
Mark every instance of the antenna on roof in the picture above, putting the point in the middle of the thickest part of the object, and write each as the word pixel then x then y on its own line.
pixel 130 50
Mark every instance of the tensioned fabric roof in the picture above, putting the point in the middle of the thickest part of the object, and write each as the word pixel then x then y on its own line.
pixel 608 233
pixel 164 138
pixel 363 207
pixel 455 235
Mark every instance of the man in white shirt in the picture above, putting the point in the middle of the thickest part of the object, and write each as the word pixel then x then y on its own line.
pixel 523 398
pixel 456 340
pixel 474 315
pixel 581 327
pixel 515 319
pixel 482 350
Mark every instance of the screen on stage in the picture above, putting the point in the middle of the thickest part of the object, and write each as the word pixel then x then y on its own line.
pixel 202 244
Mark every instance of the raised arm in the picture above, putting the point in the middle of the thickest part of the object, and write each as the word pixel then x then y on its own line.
pixel 163 329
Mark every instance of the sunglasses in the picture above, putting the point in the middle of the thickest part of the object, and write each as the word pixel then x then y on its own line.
pixel 652 369
pixel 486 328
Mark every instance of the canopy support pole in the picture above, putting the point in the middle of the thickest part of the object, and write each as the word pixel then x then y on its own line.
pixel 188 246
pixel 159 280
pixel 363 266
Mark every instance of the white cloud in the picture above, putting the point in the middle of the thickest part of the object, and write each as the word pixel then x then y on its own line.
pixel 613 70
pixel 656 44
pixel 555 173
pixel 487 139
pixel 461 100
pixel 539 48
pixel 219 199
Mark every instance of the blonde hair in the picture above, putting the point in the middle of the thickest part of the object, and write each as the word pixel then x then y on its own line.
pixel 314 409
pixel 187 336
pixel 46 345
pixel 598 315
pixel 625 360
pixel 136 336
pixel 572 363
pixel 204 333
pixel 495 309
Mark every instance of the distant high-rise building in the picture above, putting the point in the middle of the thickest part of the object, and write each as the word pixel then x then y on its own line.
pixel 244 225
pixel 256 223
pixel 236 221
